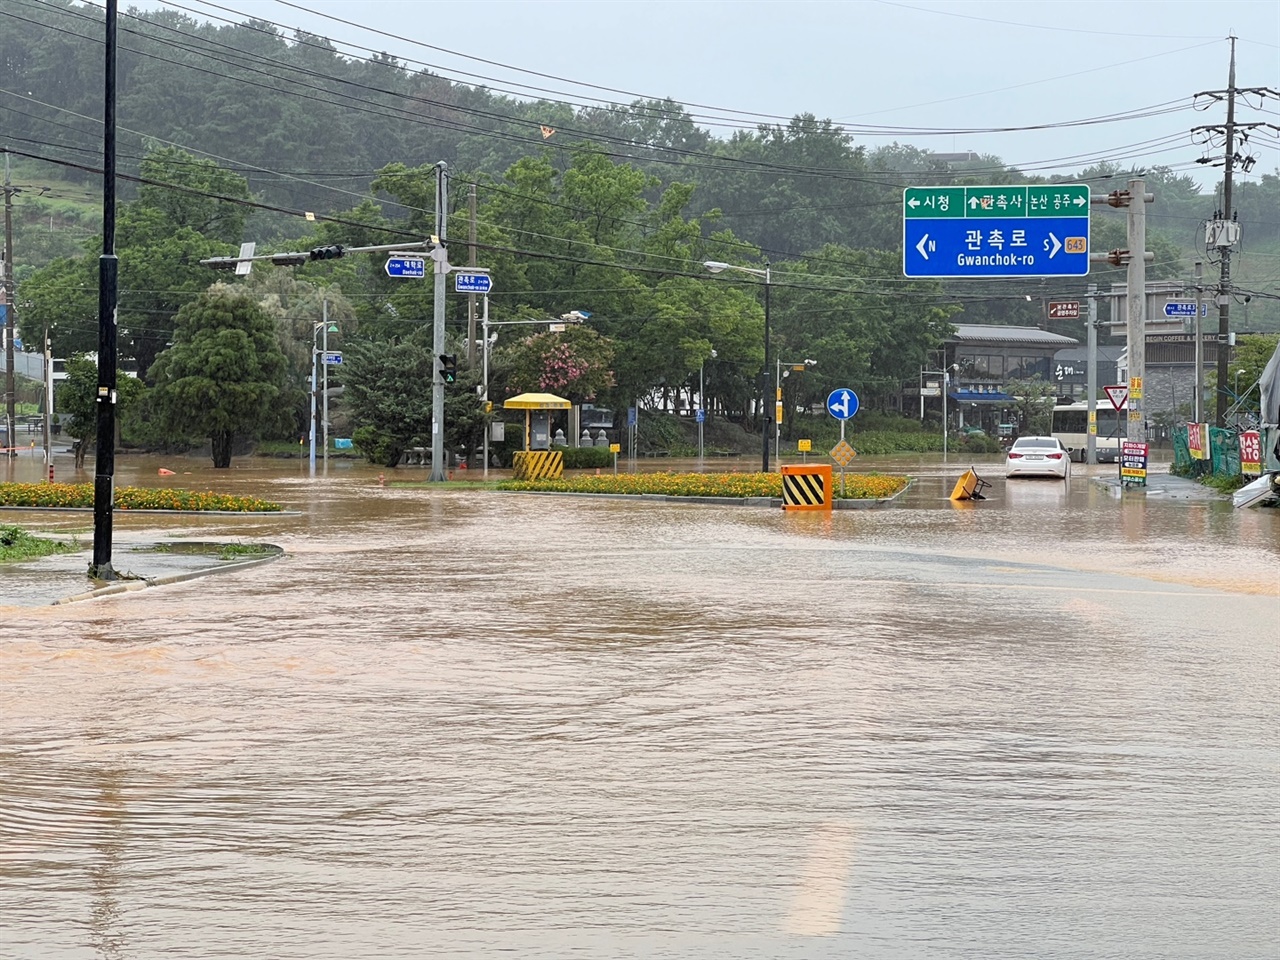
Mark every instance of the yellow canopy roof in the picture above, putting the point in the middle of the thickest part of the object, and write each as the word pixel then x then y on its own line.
pixel 537 401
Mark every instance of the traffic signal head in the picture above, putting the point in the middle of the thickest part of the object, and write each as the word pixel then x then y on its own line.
pixel 331 252
pixel 448 367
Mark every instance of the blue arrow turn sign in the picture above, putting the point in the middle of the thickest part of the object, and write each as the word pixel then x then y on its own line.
pixel 842 404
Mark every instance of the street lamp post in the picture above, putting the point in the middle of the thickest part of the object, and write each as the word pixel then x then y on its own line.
pixel 702 404
pixel 716 266
pixel 318 327
pixel 946 386
pixel 798 365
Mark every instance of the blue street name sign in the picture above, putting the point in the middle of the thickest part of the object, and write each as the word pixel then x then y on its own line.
pixel 333 359
pixel 413 267
pixel 1185 308
pixel 472 283
pixel 842 404
pixel 1057 247
pixel 631 416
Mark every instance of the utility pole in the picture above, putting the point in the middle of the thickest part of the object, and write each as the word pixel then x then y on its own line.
pixel 1223 232
pixel 104 458
pixel 440 260
pixel 1136 295
pixel 1091 379
pixel 471 297
pixel 1197 408
pixel 7 298
pixel 324 416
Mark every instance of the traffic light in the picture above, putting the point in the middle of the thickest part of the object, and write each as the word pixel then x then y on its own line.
pixel 448 367
pixel 331 252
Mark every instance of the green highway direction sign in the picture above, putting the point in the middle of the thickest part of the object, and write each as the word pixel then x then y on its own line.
pixel 998 231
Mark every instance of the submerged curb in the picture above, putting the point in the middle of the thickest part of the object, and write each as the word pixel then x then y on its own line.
pixel 185 513
pixel 142 583
pixel 774 502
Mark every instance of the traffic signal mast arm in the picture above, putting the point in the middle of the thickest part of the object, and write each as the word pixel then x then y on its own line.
pixel 328 252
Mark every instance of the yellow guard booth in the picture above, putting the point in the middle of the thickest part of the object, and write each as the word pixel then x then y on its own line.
pixel 537 461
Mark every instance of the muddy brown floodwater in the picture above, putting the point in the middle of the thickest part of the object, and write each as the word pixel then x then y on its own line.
pixel 469 724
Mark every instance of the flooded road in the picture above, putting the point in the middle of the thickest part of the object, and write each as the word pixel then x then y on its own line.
pixel 463 723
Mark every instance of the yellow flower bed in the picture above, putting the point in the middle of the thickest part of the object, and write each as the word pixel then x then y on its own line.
pixel 859 486
pixel 128 498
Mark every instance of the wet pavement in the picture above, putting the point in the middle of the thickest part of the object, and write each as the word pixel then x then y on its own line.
pixel 473 724
pixel 141 563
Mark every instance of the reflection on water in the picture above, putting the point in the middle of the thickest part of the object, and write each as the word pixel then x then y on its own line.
pixel 453 724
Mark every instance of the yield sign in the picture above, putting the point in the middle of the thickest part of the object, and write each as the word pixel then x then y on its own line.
pixel 1119 396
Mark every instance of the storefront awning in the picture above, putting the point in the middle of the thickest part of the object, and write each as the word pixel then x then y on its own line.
pixel 980 396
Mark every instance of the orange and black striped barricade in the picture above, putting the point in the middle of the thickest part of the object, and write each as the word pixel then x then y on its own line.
pixel 807 487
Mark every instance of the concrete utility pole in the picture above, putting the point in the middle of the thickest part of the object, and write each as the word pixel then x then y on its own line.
pixel 440 259
pixel 1136 294
pixel 1223 232
pixel 7 297
pixel 1197 329
pixel 1091 381
pixel 1224 279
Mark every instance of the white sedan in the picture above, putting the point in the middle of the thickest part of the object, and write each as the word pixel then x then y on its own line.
pixel 1037 457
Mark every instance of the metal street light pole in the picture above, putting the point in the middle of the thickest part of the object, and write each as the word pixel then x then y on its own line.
pixel 777 379
pixel 484 390
pixel 946 386
pixel 716 266
pixel 315 357
pixel 702 405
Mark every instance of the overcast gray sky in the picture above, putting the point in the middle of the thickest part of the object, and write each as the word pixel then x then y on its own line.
pixel 901 65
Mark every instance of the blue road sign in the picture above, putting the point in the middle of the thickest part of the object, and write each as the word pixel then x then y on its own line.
pixel 1182 308
pixel 701 416
pixel 631 416
pixel 996 247
pixel 472 283
pixel 332 359
pixel 413 267
pixel 842 404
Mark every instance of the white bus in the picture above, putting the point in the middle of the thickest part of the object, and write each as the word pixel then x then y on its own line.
pixel 1071 426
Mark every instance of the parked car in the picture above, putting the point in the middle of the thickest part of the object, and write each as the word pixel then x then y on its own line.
pixel 1037 457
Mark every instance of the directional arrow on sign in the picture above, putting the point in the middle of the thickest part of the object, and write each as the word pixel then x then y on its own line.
pixel 1080 201
pixel 913 203
pixel 1057 245
pixel 921 246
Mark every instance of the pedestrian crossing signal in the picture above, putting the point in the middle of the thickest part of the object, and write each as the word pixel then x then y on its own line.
pixel 449 367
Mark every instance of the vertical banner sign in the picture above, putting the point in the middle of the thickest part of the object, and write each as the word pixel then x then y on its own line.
pixel 1251 453
pixel 1198 440
pixel 1133 463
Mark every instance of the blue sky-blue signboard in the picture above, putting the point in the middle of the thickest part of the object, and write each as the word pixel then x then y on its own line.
pixel 1000 231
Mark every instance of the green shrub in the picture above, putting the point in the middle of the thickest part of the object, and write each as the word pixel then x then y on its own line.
pixel 376 447
pixel 586 458
pixel 979 443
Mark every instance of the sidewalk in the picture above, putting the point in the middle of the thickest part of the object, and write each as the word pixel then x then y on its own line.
pixel 1166 486
pixel 63 578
